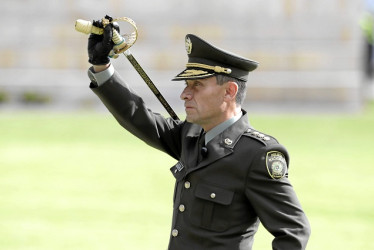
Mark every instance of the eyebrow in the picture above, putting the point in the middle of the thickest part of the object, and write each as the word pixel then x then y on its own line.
pixel 194 81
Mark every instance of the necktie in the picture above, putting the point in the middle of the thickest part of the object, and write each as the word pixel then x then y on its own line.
pixel 202 150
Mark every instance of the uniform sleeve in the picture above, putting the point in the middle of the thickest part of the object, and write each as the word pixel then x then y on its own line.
pixel 132 114
pixel 274 199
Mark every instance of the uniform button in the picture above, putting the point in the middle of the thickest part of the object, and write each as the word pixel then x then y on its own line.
pixel 174 233
pixel 187 184
pixel 182 207
pixel 212 195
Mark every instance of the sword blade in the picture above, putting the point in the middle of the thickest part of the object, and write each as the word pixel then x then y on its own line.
pixel 150 84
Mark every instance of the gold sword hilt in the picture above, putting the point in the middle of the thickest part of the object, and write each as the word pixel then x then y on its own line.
pixel 122 42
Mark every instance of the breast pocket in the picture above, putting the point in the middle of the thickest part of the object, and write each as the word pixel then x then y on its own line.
pixel 211 207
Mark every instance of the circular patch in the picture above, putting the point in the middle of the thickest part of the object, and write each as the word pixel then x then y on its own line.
pixel 276 164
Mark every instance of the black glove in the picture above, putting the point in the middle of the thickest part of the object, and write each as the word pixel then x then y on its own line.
pixel 99 46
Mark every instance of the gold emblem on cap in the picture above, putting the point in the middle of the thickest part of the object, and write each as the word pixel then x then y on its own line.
pixel 188 45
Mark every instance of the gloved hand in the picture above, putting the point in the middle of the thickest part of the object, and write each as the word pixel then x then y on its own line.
pixel 99 46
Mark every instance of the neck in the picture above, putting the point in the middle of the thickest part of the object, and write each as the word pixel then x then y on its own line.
pixel 226 115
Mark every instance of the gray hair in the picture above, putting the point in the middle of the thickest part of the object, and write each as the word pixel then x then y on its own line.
pixel 242 87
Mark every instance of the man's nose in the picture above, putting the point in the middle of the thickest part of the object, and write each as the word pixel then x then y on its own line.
pixel 186 94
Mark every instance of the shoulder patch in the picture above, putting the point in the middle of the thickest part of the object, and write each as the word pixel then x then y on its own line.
pixel 276 164
pixel 265 139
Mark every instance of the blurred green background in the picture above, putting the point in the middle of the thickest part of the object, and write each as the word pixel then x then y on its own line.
pixel 79 181
pixel 72 178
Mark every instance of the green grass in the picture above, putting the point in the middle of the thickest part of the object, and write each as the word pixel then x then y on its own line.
pixel 79 181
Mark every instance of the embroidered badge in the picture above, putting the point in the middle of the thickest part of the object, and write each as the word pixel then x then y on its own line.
pixel 188 45
pixel 276 164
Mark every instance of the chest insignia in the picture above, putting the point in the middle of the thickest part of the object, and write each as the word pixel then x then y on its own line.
pixel 276 164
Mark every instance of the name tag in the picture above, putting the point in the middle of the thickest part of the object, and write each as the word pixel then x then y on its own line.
pixel 178 170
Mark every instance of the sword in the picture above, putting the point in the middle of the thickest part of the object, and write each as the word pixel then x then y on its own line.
pixel 150 84
pixel 122 45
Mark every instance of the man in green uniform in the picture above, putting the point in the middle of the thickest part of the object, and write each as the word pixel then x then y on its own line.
pixel 229 176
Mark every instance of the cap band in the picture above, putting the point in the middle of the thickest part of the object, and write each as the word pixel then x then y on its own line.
pixel 217 69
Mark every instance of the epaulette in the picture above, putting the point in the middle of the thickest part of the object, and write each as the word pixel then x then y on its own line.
pixel 259 136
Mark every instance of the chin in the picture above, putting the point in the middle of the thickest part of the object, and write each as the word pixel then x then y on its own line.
pixel 189 119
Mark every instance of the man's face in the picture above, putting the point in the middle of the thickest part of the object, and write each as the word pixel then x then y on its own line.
pixel 204 102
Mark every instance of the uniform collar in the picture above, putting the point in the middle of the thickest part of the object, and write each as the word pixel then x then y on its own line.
pixel 231 135
pixel 221 127
pixel 220 146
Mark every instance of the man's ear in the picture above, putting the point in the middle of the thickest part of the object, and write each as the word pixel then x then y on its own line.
pixel 231 90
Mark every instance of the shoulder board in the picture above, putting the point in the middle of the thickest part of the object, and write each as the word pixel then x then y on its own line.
pixel 263 138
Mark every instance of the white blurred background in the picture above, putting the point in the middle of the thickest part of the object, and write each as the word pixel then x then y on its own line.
pixel 311 53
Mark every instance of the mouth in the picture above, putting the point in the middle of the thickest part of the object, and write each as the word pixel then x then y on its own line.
pixel 188 107
pixel 188 110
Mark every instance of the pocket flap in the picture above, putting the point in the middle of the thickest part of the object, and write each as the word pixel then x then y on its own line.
pixel 214 194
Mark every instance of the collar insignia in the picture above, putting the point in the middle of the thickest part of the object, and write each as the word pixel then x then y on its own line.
pixel 228 141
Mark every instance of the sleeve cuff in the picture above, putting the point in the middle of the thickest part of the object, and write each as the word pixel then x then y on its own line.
pixel 101 77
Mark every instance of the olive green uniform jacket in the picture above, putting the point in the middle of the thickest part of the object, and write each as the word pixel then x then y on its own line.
pixel 219 201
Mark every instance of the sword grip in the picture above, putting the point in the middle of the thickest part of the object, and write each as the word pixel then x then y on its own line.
pixel 87 27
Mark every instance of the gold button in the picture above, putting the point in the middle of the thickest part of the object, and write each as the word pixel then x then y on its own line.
pixel 182 207
pixel 174 232
pixel 187 184
pixel 212 195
